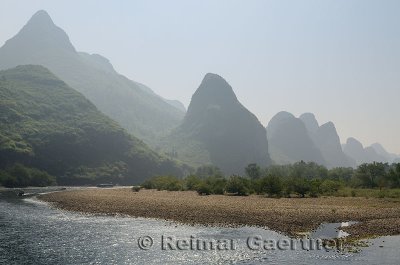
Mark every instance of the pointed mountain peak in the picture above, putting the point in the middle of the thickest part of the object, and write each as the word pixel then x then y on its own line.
pixel 216 86
pixel 328 126
pixel 310 121
pixel 39 34
pixel 354 142
pixel 41 18
pixel 213 93
pixel 327 133
pixel 210 77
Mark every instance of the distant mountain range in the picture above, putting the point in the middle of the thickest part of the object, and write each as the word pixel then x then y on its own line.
pixel 71 114
pixel 327 140
pixel 47 125
pixel 219 130
pixel 374 153
pixel 293 139
pixel 134 106
pixel 290 142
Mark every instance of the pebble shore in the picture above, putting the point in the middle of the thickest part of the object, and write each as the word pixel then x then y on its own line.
pixel 377 217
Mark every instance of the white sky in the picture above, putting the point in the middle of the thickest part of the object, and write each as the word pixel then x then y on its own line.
pixel 339 59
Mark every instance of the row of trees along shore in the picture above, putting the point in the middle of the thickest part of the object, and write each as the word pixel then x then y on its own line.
pixel 300 179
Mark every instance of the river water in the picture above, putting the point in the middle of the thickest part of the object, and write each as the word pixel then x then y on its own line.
pixel 32 232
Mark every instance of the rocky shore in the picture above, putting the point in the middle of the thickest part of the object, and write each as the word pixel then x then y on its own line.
pixel 377 217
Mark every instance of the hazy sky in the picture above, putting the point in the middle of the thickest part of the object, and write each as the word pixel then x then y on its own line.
pixel 339 59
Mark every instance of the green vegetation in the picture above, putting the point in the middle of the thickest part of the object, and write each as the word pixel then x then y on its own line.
pixel 136 188
pixel 134 106
pixel 238 185
pixel 49 126
pixel 163 183
pixel 300 179
pixel 20 176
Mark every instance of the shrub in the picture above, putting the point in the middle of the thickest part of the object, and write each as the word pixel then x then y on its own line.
pixel 20 176
pixel 136 188
pixel 203 189
pixel 238 185
pixel 272 186
pixel 253 171
pixel 191 182
pixel 330 186
pixel 217 184
pixel 164 183
pixel 301 186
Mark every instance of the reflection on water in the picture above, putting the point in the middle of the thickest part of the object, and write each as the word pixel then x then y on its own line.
pixel 34 233
pixel 331 230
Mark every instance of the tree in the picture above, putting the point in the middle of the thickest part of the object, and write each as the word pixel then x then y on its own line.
pixel 341 173
pixel 192 181
pixel 394 176
pixel 253 171
pixel 217 184
pixel 370 174
pixel 272 185
pixel 238 185
pixel 203 189
pixel 170 183
pixel 301 186
pixel 330 186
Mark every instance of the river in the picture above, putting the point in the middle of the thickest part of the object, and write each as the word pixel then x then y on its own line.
pixel 32 232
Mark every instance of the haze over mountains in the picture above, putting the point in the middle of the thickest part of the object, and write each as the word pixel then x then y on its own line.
pixel 133 105
pixel 219 130
pixel 374 153
pixel 47 125
pixel 290 142
pixel 293 139
pixel 71 114
pixel 327 140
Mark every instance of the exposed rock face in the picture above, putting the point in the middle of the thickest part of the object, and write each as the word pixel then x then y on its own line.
pixel 141 112
pixel 289 140
pixel 220 127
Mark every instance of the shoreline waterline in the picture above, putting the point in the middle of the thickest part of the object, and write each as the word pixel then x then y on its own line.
pixel 290 216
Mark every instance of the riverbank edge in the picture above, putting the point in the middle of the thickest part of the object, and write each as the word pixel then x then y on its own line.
pixel 83 204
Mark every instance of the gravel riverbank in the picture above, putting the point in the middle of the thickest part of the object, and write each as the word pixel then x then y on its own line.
pixel 378 217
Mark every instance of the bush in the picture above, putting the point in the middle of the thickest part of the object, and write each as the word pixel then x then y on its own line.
pixel 301 186
pixel 191 182
pixel 20 176
pixel 203 189
pixel 238 185
pixel 217 184
pixel 315 187
pixel 136 188
pixel 272 186
pixel 164 183
pixel 253 171
pixel 41 178
pixel 330 186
